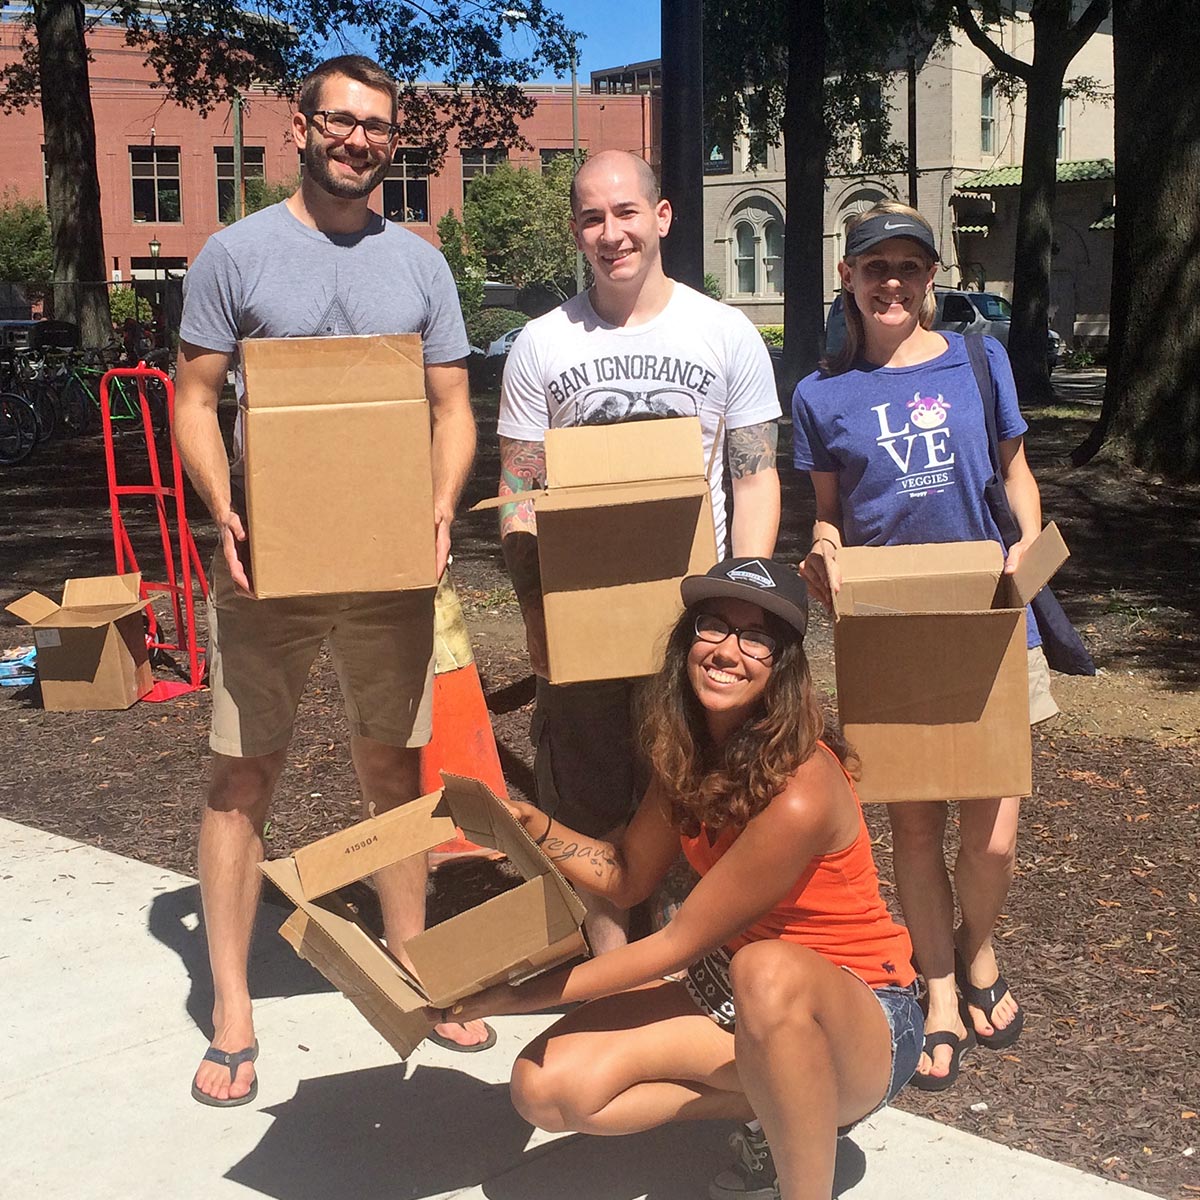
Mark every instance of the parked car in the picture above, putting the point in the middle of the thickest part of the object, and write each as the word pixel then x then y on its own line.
pixel 496 356
pixel 959 311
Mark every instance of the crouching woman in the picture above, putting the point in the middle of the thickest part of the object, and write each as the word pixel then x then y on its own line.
pixel 798 1013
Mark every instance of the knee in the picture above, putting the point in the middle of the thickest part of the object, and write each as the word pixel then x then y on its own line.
pixel 918 827
pixel 241 788
pixel 539 1095
pixel 389 775
pixel 772 987
pixel 988 844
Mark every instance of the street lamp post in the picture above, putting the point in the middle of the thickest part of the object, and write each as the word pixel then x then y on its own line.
pixel 575 148
pixel 155 251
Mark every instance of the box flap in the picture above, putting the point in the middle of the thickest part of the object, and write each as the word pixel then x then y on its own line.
pixel 1036 568
pixel 591 455
pixel 511 498
pixel 104 591
pixel 33 608
pixel 364 848
pixel 484 820
pixel 616 495
pixel 282 372
pixel 931 559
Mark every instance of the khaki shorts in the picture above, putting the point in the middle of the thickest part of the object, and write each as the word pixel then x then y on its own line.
pixel 260 653
pixel 1041 703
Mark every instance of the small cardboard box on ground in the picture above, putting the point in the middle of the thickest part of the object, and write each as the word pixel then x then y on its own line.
pixel 338 475
pixel 91 649
pixel 521 932
pixel 932 678
pixel 625 515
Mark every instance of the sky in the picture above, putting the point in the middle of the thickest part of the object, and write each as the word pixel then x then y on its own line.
pixel 609 39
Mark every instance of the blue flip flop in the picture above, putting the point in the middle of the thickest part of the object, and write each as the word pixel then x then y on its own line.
pixel 232 1059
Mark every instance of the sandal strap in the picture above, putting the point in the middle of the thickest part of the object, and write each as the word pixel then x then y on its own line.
pixel 986 998
pixel 942 1037
pixel 232 1059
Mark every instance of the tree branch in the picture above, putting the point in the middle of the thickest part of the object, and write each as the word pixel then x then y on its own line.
pixel 1087 24
pixel 1001 60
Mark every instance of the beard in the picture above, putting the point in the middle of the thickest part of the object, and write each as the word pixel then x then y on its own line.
pixel 317 167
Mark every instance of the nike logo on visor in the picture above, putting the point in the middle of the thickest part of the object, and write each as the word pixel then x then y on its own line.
pixel 899 225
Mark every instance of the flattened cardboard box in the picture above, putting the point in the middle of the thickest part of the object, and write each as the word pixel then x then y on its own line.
pixel 519 933
pixel 91 649
pixel 625 515
pixel 338 475
pixel 932 675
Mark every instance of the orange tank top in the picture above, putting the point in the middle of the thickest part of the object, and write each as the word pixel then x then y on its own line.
pixel 834 908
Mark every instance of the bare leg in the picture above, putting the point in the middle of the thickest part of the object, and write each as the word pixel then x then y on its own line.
pixel 389 777
pixel 982 876
pixel 814 1051
pixel 923 885
pixel 239 795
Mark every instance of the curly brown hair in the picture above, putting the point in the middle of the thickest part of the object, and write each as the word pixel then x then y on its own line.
pixel 718 786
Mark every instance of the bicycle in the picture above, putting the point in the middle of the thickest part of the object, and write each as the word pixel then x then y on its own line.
pixel 18 429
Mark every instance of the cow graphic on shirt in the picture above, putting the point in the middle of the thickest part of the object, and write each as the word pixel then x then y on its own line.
pixel 928 412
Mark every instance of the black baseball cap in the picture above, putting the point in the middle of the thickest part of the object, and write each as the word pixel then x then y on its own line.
pixel 879 228
pixel 762 581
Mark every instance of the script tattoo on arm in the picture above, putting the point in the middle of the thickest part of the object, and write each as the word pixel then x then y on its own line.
pixel 600 856
pixel 752 449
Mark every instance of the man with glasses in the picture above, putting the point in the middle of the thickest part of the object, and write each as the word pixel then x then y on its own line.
pixel 319 264
pixel 635 346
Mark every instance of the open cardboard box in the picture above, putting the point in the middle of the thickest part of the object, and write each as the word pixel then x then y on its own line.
pixel 932 676
pixel 626 513
pixel 517 934
pixel 91 649
pixel 337 462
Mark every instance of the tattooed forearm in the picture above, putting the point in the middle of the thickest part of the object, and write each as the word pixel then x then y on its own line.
pixel 752 449
pixel 599 856
pixel 522 469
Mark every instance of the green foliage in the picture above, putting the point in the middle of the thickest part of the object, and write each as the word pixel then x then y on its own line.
pixel 467 267
pixel 712 286
pixel 485 327
pixel 1079 358
pixel 772 334
pixel 260 194
pixel 25 254
pixel 124 302
pixel 517 219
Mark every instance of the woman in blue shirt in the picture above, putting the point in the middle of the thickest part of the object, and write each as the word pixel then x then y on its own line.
pixel 892 433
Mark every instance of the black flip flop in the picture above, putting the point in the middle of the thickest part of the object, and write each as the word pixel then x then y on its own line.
pixel 232 1059
pixel 986 999
pixel 943 1037
pixel 449 1044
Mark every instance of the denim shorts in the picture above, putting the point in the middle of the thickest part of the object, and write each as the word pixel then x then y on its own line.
pixel 708 984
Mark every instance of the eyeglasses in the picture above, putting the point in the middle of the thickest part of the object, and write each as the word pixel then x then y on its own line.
pixel 341 125
pixel 753 643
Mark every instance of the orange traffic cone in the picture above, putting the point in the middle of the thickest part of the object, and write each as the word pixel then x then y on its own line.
pixel 462 742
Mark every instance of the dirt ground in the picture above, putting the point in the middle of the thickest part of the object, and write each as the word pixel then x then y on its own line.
pixel 1099 939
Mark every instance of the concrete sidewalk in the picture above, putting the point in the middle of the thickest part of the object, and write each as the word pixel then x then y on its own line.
pixel 104 980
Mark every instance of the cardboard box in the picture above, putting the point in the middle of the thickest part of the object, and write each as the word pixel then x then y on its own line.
pixel 338 475
pixel 519 933
pixel 625 515
pixel 932 678
pixel 91 649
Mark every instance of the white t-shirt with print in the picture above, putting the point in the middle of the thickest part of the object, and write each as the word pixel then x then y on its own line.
pixel 696 358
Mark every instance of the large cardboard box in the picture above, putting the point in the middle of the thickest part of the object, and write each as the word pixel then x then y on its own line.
pixel 338 476
pixel 930 655
pixel 626 513
pixel 517 934
pixel 91 649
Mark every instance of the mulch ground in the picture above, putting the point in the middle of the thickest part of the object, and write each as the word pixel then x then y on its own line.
pixel 1104 918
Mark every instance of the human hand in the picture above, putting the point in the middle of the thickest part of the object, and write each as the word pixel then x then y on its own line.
pixel 1015 553
pixel 441 541
pixel 496 1001
pixel 822 573
pixel 523 812
pixel 232 532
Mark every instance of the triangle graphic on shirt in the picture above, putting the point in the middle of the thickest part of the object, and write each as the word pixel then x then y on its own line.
pixel 335 319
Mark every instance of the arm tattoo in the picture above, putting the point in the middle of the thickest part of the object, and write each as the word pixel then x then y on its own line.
pixel 752 449
pixel 599 856
pixel 522 469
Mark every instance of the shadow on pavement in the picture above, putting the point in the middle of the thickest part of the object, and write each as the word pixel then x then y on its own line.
pixel 175 920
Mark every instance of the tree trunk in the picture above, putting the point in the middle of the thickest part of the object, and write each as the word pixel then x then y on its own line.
pixel 73 188
pixel 804 146
pixel 1030 327
pixel 1152 397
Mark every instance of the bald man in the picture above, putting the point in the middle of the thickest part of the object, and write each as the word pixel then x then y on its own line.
pixel 636 345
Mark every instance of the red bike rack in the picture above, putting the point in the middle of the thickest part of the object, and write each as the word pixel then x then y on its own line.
pixel 183 570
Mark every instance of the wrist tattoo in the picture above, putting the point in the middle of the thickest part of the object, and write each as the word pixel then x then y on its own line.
pixel 597 856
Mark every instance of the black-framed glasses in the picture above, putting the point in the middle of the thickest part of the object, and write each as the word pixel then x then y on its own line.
pixel 337 124
pixel 753 643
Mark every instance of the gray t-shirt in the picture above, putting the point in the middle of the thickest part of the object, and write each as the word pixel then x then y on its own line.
pixel 269 275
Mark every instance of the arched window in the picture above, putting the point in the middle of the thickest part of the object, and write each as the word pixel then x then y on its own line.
pixel 745 257
pixel 773 256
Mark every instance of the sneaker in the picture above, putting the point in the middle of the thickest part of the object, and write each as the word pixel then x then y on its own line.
pixel 752 1176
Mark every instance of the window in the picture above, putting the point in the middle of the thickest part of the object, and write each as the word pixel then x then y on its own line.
pixel 481 162
pixel 987 117
pixel 252 168
pixel 993 307
pixel 1062 128
pixel 773 256
pixel 872 120
pixel 957 308
pixel 156 191
pixel 406 188
pixel 744 261
pixel 549 153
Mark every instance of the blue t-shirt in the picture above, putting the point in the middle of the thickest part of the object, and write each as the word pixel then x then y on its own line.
pixel 909 446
